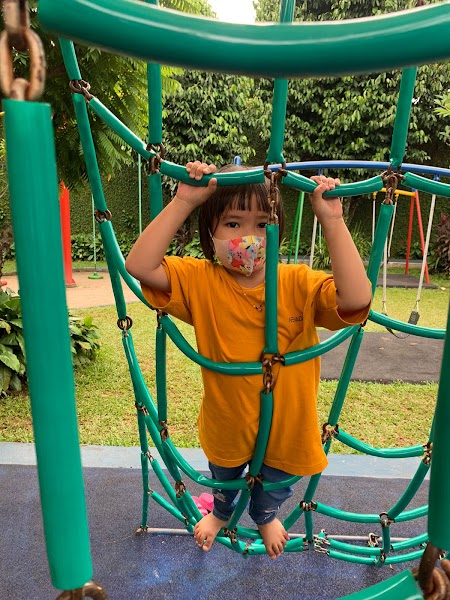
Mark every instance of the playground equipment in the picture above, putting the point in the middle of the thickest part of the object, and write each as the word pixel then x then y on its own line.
pixel 318 49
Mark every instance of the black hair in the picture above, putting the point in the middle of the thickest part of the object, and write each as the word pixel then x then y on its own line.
pixel 239 197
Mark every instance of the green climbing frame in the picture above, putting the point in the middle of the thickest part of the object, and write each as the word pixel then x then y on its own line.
pixel 307 49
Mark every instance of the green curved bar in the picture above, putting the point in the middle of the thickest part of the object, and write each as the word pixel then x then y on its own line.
pixel 142 430
pixel 344 379
pixel 179 173
pixel 251 368
pixel 346 516
pixel 161 379
pixel 360 560
pixel 402 117
pixel 265 424
pixel 156 467
pixel 281 484
pixel 329 49
pixel 90 156
pixel 240 507
pixel 292 358
pixel 112 247
pixel 271 292
pixel 427 332
pixel 356 444
pixel 116 282
pixel 394 560
pixel 365 550
pixel 439 495
pixel 293 517
pixel 235 484
pixel 167 506
pixel 400 586
pixel 118 127
pixel 410 491
pixel 414 541
pixel 50 373
pixel 427 185
pixel 300 182
pixel 415 513
pixel 70 59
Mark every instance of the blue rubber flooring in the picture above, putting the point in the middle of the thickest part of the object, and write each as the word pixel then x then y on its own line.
pixel 167 567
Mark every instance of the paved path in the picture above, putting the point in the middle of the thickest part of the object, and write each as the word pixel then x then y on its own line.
pixel 87 292
pixel 382 357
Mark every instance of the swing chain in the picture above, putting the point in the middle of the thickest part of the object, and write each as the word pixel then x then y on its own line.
pixel 18 35
pixel 141 408
pixel 125 324
pixel 180 489
pixel 164 432
pixel 102 216
pixel 274 192
pixel 385 520
pixel 267 365
pixel 89 590
pixel 428 451
pixel 80 86
pixel 328 431
pixel 390 182
pixel 155 161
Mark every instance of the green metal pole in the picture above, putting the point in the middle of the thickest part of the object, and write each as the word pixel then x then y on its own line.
pixel 402 116
pixel 280 95
pixel 439 500
pixel 37 235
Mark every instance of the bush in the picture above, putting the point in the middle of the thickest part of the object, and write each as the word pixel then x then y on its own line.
pixel 84 343
pixel 440 247
pixel 83 247
pixel 360 239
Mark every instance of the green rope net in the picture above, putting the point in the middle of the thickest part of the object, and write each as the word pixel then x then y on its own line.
pixel 98 23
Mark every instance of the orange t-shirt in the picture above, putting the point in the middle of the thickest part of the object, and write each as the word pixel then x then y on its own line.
pixel 228 328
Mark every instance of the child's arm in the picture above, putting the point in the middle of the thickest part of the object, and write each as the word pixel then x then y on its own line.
pixel 352 288
pixel 145 258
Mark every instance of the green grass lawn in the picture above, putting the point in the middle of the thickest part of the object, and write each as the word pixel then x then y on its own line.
pixel 382 415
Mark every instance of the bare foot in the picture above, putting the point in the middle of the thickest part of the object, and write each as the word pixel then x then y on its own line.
pixel 274 536
pixel 206 530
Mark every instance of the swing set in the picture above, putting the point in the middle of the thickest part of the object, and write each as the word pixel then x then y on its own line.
pixel 308 49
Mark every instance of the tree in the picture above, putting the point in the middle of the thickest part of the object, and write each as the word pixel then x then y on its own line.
pixel 204 118
pixel 352 117
pixel 119 82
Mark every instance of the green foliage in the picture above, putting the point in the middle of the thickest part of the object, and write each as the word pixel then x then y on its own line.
pixel 415 251
pixel 84 340
pixel 84 343
pixel 204 119
pixel 322 259
pixel 351 118
pixel 83 246
pixel 440 247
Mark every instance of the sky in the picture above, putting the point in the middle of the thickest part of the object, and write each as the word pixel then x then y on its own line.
pixel 234 11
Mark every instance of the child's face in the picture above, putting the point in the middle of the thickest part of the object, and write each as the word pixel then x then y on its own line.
pixel 235 223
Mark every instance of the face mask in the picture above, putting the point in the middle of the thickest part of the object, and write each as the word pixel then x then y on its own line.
pixel 245 254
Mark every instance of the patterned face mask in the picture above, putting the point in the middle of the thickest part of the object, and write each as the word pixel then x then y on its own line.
pixel 245 254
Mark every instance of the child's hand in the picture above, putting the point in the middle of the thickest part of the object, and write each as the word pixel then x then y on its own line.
pixel 325 209
pixel 194 196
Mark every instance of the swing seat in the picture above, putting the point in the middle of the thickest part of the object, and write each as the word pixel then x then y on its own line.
pixel 402 586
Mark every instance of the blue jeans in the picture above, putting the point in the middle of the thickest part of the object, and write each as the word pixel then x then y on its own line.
pixel 263 506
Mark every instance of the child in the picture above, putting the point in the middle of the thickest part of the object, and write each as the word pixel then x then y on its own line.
pixel 224 301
